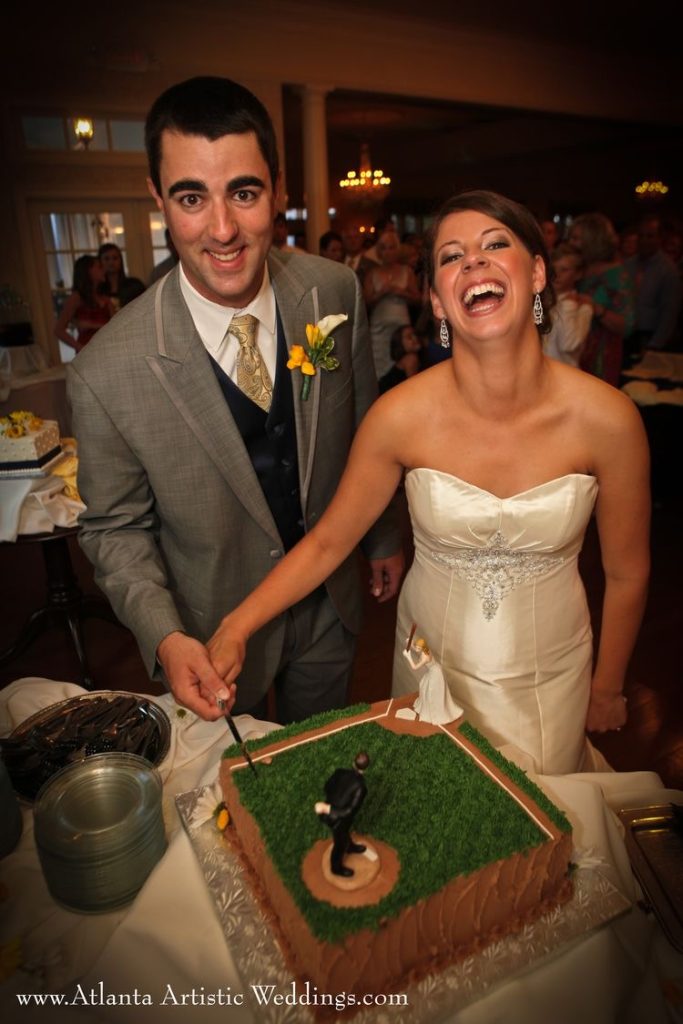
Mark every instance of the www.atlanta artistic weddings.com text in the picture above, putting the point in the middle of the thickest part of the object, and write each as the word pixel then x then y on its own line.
pixel 259 995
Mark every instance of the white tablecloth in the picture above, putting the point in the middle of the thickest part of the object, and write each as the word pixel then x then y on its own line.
pixel 624 973
pixel 653 368
pixel 40 503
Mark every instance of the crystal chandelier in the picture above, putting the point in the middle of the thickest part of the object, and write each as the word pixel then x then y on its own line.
pixel 365 184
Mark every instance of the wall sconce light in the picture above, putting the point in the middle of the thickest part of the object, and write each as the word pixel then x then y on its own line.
pixel 84 129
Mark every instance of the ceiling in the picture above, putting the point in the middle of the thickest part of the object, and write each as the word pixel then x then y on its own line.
pixel 606 26
pixel 555 163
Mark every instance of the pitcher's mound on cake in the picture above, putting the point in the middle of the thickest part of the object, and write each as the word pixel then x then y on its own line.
pixel 375 872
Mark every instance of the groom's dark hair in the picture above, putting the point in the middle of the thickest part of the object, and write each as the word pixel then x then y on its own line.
pixel 211 107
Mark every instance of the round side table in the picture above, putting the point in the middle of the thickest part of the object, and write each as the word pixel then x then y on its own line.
pixel 66 606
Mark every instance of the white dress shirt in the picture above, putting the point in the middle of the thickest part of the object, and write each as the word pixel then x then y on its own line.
pixel 213 320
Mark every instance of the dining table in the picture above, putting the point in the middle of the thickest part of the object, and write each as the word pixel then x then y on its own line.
pixel 168 956
pixel 655 384
pixel 40 508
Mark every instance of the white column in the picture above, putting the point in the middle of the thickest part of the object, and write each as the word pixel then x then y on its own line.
pixel 316 174
pixel 270 94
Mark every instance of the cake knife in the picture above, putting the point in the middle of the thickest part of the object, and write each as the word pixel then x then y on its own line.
pixel 236 733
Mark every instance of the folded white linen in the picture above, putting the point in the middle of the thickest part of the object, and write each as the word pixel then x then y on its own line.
pixel 46 506
pixel 35 505
pixel 13 493
pixel 666 365
pixel 645 392
pixel 24 697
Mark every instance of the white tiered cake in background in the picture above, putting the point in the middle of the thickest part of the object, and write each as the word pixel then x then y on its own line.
pixel 28 444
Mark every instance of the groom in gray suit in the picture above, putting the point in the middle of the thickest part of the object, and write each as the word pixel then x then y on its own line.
pixel 201 462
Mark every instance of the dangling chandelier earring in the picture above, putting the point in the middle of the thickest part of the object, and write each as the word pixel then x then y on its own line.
pixel 538 310
pixel 444 336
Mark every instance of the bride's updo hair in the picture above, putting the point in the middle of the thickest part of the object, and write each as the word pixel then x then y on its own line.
pixel 515 217
pixel 422 645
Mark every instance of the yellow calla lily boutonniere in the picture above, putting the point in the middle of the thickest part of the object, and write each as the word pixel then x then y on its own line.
pixel 317 352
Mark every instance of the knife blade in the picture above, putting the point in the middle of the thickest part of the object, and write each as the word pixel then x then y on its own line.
pixel 236 733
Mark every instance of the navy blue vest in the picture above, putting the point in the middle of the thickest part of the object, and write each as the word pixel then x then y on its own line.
pixel 270 440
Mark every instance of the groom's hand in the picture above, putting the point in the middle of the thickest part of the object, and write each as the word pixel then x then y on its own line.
pixel 194 681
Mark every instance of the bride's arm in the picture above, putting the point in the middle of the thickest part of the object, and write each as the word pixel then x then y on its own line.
pixel 623 519
pixel 369 482
pixel 408 655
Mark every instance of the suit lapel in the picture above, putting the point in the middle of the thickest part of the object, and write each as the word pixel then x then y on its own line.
pixel 183 370
pixel 298 306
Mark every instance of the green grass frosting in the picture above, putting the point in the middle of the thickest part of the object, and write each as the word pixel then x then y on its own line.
pixel 425 799
pixel 295 728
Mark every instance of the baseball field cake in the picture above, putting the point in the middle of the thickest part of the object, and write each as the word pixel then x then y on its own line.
pixel 466 848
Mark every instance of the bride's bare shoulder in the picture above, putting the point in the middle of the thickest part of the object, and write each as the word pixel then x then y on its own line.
pixel 396 413
pixel 607 417
pixel 592 393
pixel 423 386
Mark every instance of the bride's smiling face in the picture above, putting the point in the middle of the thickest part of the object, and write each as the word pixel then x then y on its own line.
pixel 484 276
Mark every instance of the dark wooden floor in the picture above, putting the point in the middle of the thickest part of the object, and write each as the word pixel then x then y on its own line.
pixel 652 738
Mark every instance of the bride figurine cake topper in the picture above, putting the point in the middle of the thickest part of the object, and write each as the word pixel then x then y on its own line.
pixel 434 703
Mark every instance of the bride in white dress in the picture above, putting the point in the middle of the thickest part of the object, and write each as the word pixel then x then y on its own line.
pixel 498 578
pixel 506 454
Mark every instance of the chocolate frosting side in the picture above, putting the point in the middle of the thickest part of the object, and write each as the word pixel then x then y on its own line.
pixel 453 923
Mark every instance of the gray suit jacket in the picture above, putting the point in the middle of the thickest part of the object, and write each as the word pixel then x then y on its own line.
pixel 176 524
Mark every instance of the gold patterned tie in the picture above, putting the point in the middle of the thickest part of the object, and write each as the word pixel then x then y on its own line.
pixel 252 373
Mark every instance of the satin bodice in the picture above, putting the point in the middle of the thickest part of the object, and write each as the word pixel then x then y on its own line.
pixel 450 512
pixel 498 543
pixel 495 590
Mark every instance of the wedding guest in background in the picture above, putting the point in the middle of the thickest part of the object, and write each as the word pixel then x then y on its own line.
pixel 117 284
pixel 405 349
pixel 87 308
pixel 572 313
pixel 331 246
pixel 201 459
pixel 410 254
pixel 417 243
pixel 388 289
pixel 551 233
pixel 657 291
pixel 168 263
pixel 506 456
pixel 672 244
pixel 355 255
pixel 280 235
pixel 608 285
pixel 381 225
pixel 628 242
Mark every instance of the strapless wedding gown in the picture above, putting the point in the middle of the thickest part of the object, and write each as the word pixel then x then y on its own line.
pixel 495 590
